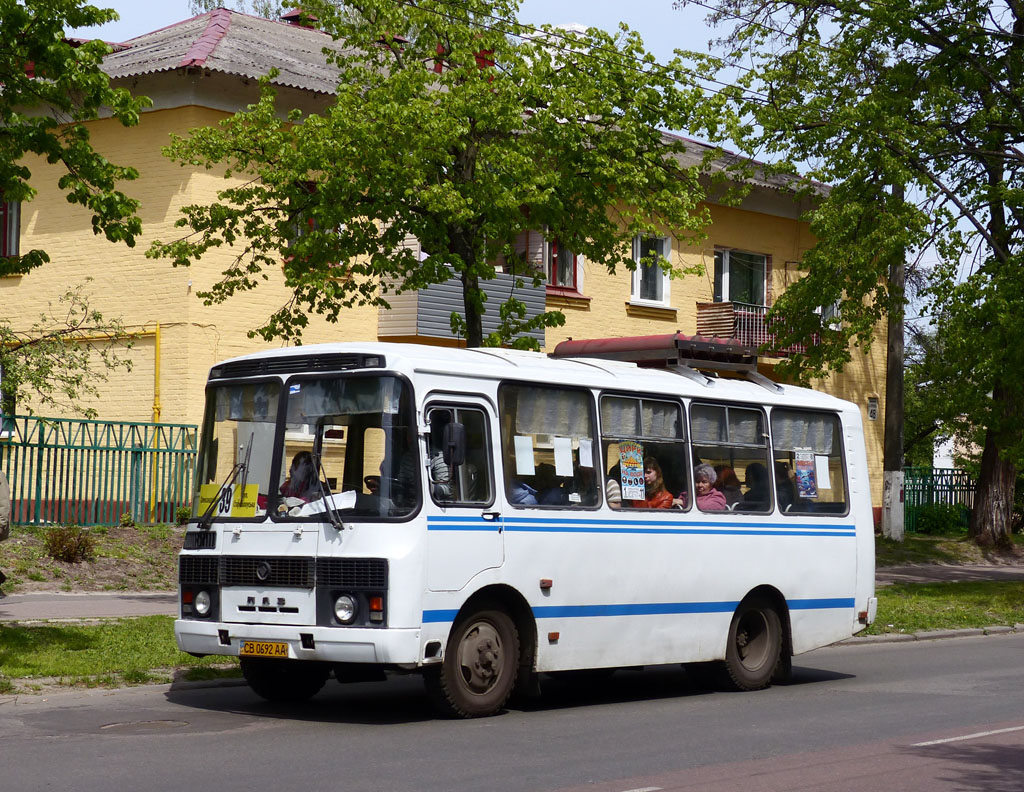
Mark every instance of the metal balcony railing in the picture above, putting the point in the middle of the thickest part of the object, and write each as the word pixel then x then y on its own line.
pixel 746 323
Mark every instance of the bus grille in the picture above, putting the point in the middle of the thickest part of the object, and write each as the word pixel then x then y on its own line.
pixel 197 569
pixel 370 574
pixel 353 573
pixel 200 540
pixel 266 571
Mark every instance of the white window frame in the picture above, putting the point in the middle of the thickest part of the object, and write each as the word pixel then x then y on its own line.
pixel 725 253
pixel 638 274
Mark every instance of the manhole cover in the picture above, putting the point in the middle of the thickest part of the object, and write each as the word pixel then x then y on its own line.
pixel 141 727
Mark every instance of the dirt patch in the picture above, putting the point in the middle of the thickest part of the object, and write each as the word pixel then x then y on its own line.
pixel 136 558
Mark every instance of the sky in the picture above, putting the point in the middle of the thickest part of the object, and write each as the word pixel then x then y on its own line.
pixel 662 27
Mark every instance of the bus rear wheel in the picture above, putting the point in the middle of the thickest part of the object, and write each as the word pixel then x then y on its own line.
pixel 283 681
pixel 755 643
pixel 479 668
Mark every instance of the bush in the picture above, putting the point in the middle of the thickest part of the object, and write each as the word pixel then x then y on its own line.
pixel 181 514
pixel 127 521
pixel 69 543
pixel 941 518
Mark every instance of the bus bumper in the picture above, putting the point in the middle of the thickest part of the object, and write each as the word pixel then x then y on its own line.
pixel 327 644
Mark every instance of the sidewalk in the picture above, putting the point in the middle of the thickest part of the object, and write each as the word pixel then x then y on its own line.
pixel 62 606
pixel 944 573
pixel 44 606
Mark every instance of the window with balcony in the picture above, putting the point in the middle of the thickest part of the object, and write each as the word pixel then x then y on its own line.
pixel 10 228
pixel 740 277
pixel 650 281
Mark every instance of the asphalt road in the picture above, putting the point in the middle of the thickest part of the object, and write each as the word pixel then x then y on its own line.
pixel 856 717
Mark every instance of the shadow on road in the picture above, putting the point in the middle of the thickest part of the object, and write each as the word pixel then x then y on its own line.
pixel 402 699
pixel 985 767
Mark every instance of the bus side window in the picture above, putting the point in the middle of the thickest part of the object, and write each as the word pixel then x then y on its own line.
pixel 548 448
pixel 455 481
pixel 808 459
pixel 729 436
pixel 638 433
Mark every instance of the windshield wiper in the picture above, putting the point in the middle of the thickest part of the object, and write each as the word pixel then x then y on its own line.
pixel 328 497
pixel 240 467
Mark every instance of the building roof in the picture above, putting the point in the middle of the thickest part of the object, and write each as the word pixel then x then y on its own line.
pixel 232 43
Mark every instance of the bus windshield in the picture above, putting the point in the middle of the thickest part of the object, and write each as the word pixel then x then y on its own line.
pixel 233 471
pixel 351 435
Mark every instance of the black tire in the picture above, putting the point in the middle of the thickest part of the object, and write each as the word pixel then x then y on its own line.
pixel 282 681
pixel 479 668
pixel 755 645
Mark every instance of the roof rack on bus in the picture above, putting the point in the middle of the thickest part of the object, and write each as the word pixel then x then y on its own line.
pixel 685 355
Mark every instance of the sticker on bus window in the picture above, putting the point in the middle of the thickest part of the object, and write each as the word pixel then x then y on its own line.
pixel 524 455
pixel 563 456
pixel 631 463
pixel 821 468
pixel 231 501
pixel 806 480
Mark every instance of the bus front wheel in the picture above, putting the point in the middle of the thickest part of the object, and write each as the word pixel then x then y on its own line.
pixel 479 668
pixel 284 681
pixel 755 644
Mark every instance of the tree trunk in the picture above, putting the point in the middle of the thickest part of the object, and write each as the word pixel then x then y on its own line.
pixel 892 457
pixel 474 317
pixel 992 518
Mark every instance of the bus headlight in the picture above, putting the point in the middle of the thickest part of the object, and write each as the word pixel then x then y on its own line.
pixel 345 609
pixel 202 602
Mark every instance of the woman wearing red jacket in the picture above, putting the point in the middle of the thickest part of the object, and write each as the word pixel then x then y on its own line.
pixel 654 488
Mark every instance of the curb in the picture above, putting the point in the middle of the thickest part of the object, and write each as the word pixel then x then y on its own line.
pixel 932 635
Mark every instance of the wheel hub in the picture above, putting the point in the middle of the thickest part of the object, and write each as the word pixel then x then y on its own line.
pixel 481 658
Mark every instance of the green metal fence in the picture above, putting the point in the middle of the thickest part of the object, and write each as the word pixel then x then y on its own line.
pixel 92 472
pixel 925 486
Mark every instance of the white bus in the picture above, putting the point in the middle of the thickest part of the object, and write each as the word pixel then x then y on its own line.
pixel 483 516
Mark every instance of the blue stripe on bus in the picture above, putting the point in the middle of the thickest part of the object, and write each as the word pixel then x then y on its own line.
pixel 821 604
pixel 648 609
pixel 545 525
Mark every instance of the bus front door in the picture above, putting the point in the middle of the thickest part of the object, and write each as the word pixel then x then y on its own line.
pixel 464 526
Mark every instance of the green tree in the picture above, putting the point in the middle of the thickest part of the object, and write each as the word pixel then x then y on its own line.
pixel 913 112
pixel 50 87
pixel 455 125
pixel 63 357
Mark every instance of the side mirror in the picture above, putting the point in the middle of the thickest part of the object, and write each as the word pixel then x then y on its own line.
pixel 453 447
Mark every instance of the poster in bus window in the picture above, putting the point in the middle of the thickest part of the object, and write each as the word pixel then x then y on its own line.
pixel 631 463
pixel 806 477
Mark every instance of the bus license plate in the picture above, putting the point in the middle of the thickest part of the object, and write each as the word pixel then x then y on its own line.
pixel 263 649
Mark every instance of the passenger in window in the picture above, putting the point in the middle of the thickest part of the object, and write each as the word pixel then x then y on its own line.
pixel 440 476
pixel 549 488
pixel 522 493
pixel 727 483
pixel 654 488
pixel 613 494
pixel 785 490
pixel 302 480
pixel 757 497
pixel 708 498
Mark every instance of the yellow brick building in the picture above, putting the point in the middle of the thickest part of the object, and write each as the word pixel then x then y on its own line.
pixel 196 76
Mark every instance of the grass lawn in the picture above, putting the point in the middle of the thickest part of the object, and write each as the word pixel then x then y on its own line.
pixel 915 607
pixel 108 654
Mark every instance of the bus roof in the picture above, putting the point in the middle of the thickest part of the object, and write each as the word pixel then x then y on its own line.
pixel 499 363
